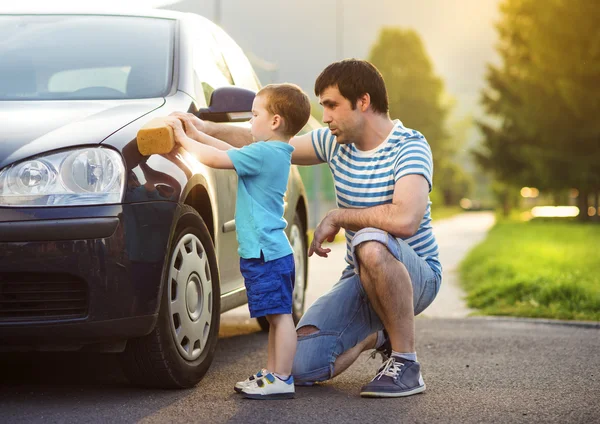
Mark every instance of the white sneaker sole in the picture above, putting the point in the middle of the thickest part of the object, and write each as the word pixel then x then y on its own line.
pixel 414 391
pixel 272 396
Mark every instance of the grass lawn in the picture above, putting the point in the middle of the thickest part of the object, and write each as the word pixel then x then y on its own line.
pixel 540 268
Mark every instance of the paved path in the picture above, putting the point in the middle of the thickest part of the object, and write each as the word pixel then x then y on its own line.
pixel 456 236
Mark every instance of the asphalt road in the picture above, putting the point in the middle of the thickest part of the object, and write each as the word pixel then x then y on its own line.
pixel 476 370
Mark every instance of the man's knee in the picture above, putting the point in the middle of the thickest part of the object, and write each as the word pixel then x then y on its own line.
pixel 371 254
pixel 306 330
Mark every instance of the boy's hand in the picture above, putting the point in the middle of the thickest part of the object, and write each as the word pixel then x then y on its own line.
pixel 190 125
pixel 178 132
pixel 192 119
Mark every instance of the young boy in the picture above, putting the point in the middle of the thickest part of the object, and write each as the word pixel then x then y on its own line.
pixel 278 113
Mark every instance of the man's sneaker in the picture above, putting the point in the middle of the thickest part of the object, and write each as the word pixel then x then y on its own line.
pixel 241 384
pixel 385 350
pixel 270 387
pixel 397 377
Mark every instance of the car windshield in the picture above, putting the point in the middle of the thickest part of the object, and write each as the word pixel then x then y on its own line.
pixel 71 57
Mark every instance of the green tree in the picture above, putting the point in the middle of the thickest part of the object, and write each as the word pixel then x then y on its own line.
pixel 417 97
pixel 415 92
pixel 544 98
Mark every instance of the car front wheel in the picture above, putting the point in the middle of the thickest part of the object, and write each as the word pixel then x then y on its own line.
pixel 180 349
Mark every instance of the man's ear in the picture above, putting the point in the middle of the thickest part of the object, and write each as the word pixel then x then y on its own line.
pixel 364 102
pixel 276 122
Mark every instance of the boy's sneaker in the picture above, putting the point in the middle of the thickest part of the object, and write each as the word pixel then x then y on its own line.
pixel 270 387
pixel 240 385
pixel 397 377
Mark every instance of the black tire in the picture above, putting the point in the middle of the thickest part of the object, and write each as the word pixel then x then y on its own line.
pixel 297 309
pixel 155 360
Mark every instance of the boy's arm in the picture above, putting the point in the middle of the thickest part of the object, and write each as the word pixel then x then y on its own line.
pixel 192 131
pixel 233 135
pixel 208 155
pixel 229 135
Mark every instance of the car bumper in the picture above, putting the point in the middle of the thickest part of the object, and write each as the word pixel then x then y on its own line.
pixel 81 274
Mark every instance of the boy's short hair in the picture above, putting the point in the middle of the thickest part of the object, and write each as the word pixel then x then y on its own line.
pixel 289 102
pixel 354 78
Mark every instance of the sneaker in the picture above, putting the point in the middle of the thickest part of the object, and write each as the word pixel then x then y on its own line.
pixel 397 377
pixel 239 386
pixel 269 387
pixel 385 350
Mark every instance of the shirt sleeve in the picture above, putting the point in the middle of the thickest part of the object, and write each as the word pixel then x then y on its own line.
pixel 414 158
pixel 248 160
pixel 323 143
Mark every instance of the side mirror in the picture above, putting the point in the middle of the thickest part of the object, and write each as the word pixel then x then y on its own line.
pixel 229 104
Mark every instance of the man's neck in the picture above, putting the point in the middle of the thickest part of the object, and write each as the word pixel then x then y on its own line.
pixel 376 130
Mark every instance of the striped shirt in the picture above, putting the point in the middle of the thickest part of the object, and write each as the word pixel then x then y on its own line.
pixel 366 178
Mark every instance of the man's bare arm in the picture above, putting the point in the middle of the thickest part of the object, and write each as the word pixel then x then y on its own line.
pixel 401 218
pixel 234 135
pixel 304 152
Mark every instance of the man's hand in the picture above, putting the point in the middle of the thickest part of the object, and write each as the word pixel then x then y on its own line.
pixel 326 230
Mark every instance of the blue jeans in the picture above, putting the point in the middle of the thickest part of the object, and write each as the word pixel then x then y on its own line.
pixel 344 316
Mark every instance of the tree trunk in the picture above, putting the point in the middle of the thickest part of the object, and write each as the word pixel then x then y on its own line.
pixel 506 206
pixel 583 204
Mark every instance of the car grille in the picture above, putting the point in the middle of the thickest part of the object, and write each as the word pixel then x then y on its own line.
pixel 36 297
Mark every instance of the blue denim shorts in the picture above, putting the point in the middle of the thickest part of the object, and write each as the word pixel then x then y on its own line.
pixel 344 317
pixel 269 285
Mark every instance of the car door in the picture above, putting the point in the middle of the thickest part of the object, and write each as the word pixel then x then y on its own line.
pixel 242 73
pixel 210 73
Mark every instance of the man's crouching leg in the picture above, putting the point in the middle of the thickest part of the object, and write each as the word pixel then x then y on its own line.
pixel 333 332
pixel 314 356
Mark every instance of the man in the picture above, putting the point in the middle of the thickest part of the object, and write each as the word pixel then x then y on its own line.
pixel 383 174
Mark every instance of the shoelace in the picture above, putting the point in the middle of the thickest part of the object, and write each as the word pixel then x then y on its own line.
pixel 376 352
pixel 390 369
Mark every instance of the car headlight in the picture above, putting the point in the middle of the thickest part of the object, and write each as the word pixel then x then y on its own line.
pixel 84 176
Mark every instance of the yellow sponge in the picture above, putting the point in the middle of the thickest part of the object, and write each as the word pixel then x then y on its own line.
pixel 155 138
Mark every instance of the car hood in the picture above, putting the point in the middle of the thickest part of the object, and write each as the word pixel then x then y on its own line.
pixel 30 128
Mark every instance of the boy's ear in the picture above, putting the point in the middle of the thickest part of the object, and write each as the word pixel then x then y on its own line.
pixel 276 122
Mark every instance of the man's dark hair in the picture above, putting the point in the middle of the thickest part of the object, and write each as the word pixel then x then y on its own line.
pixel 354 78
pixel 289 102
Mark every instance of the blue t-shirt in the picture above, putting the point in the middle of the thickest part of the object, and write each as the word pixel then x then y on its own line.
pixel 263 170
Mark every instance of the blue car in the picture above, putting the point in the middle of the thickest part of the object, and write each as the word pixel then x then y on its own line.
pixel 102 248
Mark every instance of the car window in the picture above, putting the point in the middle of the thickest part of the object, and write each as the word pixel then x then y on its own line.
pixel 241 70
pixel 114 77
pixel 210 69
pixel 64 57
